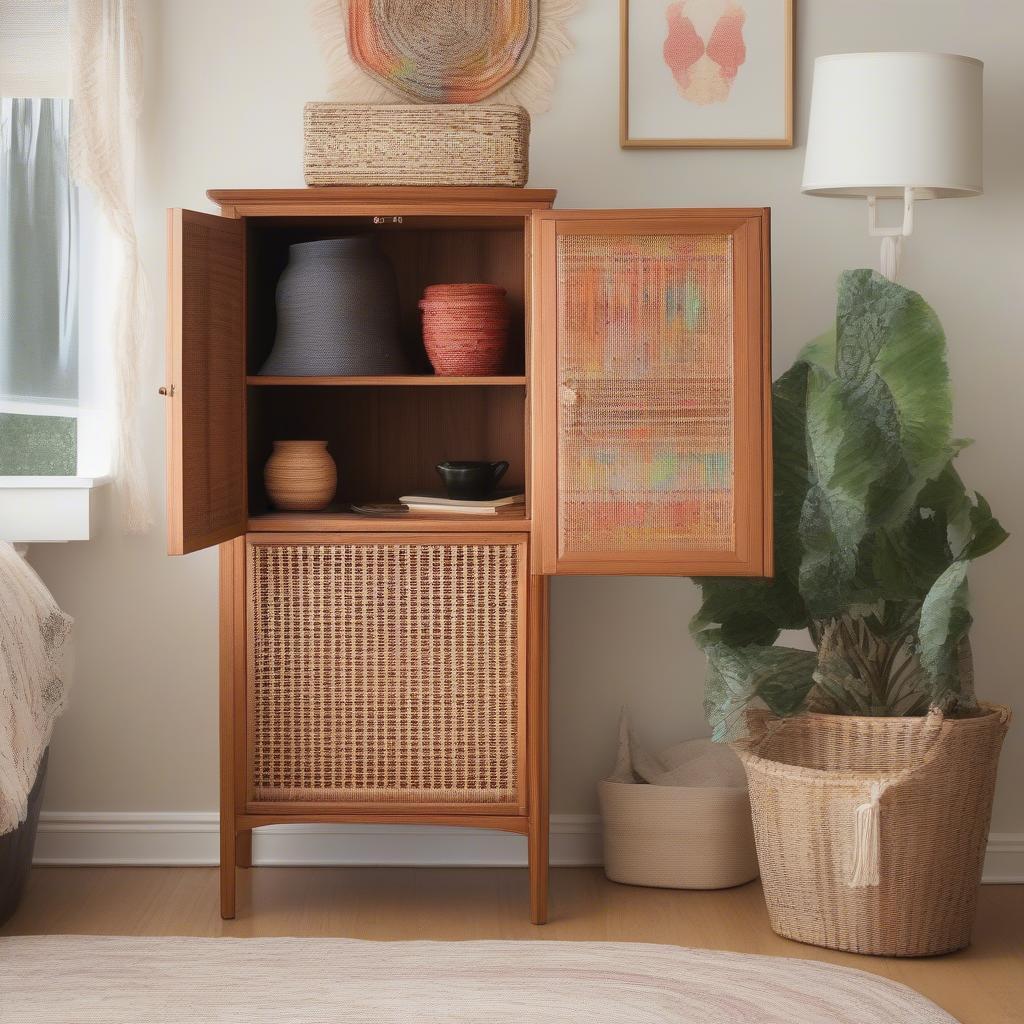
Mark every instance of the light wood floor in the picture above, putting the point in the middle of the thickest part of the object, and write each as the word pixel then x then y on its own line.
pixel 980 985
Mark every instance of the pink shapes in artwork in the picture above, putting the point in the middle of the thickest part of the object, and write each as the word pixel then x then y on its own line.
pixel 726 47
pixel 683 47
pixel 704 48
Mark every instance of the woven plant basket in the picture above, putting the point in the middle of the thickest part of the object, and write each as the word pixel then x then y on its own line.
pixel 416 144
pixel 871 832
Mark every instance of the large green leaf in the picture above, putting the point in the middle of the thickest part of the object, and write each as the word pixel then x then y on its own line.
pixel 945 611
pixel 987 532
pixel 834 515
pixel 740 611
pixel 946 497
pixel 737 676
pixel 735 611
pixel 945 620
pixel 907 559
pixel 791 477
pixel 890 333
pixel 877 430
pixel 820 352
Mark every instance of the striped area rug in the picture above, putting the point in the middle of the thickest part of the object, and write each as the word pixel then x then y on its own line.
pixel 121 980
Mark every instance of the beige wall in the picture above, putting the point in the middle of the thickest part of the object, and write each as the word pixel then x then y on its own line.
pixel 226 80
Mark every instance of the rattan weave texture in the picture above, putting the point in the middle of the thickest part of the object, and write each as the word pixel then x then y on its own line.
pixel 645 371
pixel 399 144
pixel 933 780
pixel 384 672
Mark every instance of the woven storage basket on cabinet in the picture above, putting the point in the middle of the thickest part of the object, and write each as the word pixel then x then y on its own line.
pixel 416 144
pixel 825 788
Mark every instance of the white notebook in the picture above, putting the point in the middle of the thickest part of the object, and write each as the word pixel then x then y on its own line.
pixel 441 510
pixel 439 501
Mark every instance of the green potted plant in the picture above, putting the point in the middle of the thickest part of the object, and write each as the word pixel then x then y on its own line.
pixel 871 764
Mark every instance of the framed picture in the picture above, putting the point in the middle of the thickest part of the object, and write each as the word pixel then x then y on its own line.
pixel 706 73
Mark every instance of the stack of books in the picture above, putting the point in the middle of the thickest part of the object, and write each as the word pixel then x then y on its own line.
pixel 440 504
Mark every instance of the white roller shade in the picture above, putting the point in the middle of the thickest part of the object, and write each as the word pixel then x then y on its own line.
pixel 34 48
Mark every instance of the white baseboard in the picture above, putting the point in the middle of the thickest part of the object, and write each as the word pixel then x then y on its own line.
pixel 193 839
pixel 186 839
pixel 1004 858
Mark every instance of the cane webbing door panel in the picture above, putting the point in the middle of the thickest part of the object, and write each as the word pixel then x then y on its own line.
pixel 650 348
pixel 206 456
pixel 386 670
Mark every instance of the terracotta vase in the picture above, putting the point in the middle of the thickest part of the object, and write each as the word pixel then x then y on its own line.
pixel 465 329
pixel 300 476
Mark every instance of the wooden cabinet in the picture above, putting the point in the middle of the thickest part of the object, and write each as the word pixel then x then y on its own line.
pixel 395 670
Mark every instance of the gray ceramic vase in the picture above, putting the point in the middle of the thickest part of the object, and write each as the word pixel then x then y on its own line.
pixel 337 312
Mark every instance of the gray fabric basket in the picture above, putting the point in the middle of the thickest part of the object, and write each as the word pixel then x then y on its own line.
pixel 337 312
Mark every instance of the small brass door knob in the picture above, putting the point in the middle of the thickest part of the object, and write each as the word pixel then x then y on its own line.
pixel 166 390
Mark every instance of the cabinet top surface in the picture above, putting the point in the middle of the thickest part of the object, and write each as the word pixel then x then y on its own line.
pixel 461 197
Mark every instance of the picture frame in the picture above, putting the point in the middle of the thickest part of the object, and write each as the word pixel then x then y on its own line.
pixel 679 96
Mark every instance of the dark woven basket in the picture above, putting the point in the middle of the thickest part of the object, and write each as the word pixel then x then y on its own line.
pixel 337 312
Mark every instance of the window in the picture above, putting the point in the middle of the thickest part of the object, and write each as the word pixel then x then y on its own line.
pixel 51 418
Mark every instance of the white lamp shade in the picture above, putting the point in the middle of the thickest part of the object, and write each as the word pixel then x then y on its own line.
pixel 883 121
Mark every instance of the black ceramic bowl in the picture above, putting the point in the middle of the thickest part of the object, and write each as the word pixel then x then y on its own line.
pixel 471 481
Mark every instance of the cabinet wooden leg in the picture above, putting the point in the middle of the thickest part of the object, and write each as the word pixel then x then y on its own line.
pixel 537 737
pixel 243 848
pixel 235 851
pixel 538 856
pixel 228 856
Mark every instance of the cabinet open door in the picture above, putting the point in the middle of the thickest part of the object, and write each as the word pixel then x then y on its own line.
pixel 205 386
pixel 650 359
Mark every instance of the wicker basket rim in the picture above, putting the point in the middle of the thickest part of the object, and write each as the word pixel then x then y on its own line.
pixel 993 714
pixel 480 108
pixel 648 785
pixel 988 709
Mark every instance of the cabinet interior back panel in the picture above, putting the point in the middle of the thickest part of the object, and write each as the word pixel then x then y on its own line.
pixel 419 255
pixel 386 441
pixel 646 386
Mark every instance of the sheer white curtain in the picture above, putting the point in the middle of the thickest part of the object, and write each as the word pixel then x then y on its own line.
pixel 90 50
pixel 34 48
pixel 39 344
pixel 38 257
pixel 106 92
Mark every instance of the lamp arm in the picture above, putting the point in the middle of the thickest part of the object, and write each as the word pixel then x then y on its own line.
pixel 907 228
pixel 892 237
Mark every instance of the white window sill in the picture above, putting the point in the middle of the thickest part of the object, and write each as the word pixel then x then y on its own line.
pixel 46 509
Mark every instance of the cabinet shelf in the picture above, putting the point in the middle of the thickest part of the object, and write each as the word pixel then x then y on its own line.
pixel 341 521
pixel 395 381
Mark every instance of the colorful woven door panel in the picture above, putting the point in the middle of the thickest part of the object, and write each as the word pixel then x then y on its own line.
pixel 658 399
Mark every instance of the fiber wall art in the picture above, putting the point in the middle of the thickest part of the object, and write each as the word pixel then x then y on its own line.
pixel 443 51
pixel 706 73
